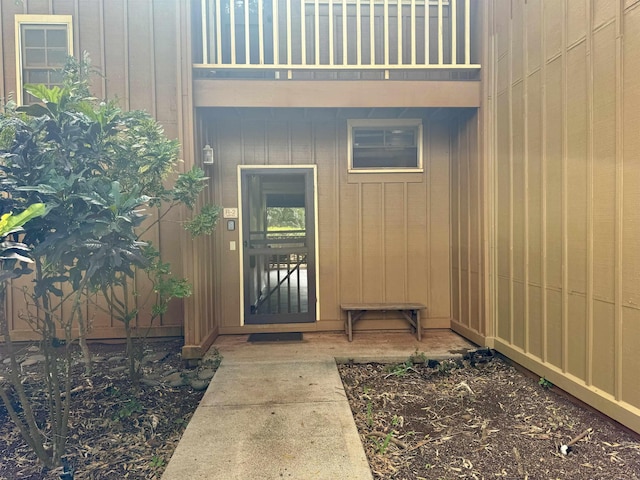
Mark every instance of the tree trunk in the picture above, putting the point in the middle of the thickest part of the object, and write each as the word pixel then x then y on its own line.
pixel 30 432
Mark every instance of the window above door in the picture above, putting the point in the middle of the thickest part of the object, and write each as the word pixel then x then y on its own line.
pixel 393 145
pixel 43 43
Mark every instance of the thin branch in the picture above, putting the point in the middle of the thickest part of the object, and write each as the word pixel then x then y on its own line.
pixel 392 439
pixel 160 217
pixel 33 436
pixel 579 437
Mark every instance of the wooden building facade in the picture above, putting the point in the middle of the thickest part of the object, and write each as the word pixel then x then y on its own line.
pixel 551 258
pixel 133 46
pixel 477 156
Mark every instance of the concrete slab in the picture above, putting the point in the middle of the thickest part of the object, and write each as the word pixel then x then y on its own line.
pixel 275 382
pixel 295 440
pixel 279 410
pixel 366 347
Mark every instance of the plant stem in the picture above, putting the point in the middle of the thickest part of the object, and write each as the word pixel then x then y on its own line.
pixel 82 328
pixel 30 432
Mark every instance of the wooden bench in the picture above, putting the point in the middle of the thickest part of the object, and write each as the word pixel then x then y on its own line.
pixel 410 311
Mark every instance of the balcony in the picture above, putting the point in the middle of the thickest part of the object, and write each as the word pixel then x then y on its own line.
pixel 336 39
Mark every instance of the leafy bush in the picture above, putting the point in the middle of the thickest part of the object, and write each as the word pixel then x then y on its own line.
pixel 101 172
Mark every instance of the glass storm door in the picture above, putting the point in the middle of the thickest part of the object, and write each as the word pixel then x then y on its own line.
pixel 279 271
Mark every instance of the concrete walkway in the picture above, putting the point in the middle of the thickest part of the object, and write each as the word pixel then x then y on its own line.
pixel 280 411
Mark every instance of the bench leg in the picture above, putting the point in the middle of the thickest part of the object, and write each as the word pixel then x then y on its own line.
pixel 350 326
pixel 418 326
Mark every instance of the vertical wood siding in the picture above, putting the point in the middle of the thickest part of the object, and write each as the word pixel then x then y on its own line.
pixel 467 239
pixel 382 237
pixel 134 45
pixel 566 109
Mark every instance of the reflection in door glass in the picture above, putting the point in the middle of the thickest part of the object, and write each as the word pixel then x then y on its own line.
pixel 278 249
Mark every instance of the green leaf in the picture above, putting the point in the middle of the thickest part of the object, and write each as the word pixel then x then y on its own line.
pixel 115 192
pixel 9 222
pixel 13 246
pixel 47 95
pixel 15 256
pixel 43 189
pixel 189 185
pixel 35 110
pixel 204 222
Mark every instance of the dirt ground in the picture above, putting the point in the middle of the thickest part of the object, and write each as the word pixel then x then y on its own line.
pixel 477 419
pixel 116 431
pixel 481 419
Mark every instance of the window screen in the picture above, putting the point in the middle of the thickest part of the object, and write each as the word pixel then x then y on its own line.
pixel 385 147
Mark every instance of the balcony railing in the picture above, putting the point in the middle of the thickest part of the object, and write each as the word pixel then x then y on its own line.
pixel 337 34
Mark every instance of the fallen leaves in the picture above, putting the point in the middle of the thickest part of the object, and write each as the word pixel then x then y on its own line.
pixel 115 432
pixel 478 423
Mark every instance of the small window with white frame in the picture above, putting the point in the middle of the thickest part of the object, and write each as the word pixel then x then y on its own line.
pixel 393 145
pixel 43 44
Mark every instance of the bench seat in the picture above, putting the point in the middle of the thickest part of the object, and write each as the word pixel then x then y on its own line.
pixel 410 312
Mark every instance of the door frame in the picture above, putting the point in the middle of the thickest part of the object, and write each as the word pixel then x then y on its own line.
pixel 314 172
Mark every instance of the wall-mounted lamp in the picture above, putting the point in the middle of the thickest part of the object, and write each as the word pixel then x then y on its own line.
pixel 207 155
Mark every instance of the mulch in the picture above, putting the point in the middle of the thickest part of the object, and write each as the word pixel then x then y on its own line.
pixel 116 431
pixel 425 420
pixel 452 420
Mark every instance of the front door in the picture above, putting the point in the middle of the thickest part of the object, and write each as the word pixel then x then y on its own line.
pixel 278 231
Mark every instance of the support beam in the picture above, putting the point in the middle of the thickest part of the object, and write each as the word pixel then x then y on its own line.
pixel 328 94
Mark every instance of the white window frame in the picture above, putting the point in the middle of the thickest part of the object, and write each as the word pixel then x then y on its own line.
pixel 385 123
pixel 44 20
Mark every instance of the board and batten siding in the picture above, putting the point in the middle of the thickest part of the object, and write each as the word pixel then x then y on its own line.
pixel 382 237
pixel 468 290
pixel 135 46
pixel 563 93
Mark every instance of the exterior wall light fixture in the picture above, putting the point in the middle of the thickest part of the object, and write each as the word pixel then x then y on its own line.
pixel 207 155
